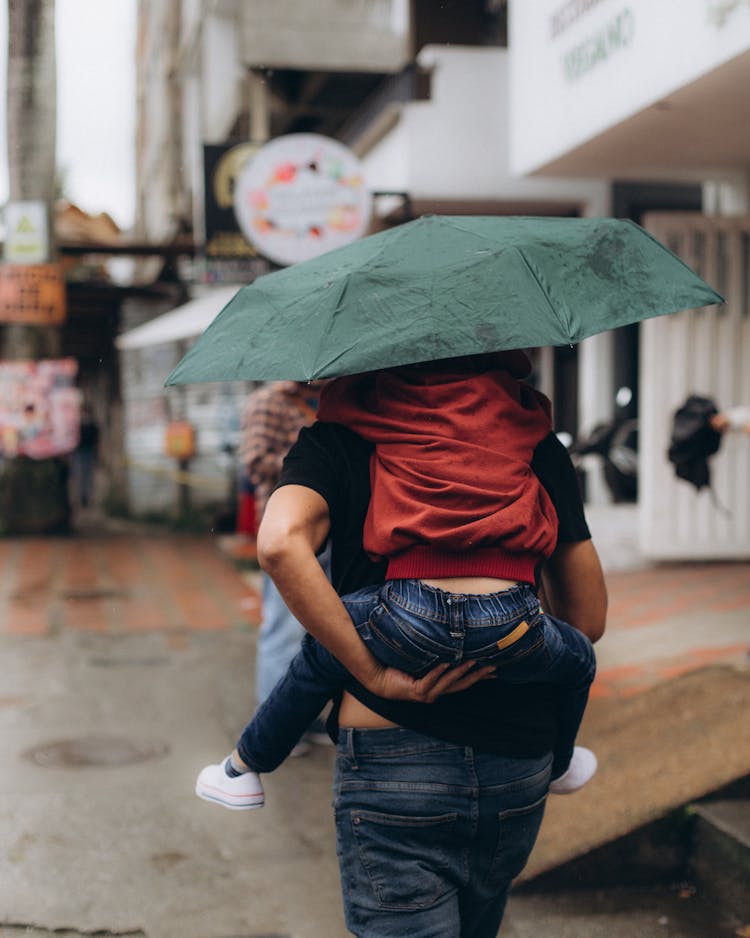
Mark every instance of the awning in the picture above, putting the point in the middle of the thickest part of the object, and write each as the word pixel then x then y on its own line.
pixel 183 322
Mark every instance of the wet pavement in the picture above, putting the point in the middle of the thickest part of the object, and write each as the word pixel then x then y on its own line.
pixel 128 661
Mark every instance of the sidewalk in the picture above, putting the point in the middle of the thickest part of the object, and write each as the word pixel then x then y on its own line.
pixel 666 619
pixel 128 665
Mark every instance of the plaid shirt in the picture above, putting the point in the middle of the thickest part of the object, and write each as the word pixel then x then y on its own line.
pixel 273 416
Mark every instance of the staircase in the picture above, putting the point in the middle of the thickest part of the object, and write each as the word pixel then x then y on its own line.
pixel 719 859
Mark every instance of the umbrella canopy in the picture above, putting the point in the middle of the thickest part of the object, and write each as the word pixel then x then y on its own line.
pixel 443 286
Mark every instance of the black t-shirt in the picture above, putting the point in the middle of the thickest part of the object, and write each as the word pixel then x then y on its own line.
pixel 514 720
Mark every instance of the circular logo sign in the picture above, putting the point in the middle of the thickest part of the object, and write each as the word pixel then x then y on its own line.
pixel 300 196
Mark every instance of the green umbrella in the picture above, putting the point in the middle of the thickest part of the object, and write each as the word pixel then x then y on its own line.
pixel 443 286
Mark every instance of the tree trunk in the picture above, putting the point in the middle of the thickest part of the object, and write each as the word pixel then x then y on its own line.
pixel 32 129
pixel 27 502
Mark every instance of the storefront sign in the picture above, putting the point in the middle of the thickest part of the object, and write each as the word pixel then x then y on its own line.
pixel 33 294
pixel 39 408
pixel 26 237
pixel 229 257
pixel 614 35
pixel 222 164
pixel 719 11
pixel 568 14
pixel 580 68
pixel 179 440
pixel 301 196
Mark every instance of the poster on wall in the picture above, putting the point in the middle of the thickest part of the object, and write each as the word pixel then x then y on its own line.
pixel 39 408
pixel 300 196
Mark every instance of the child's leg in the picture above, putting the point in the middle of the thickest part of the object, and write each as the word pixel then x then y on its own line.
pixel 315 676
pixel 312 679
pixel 572 666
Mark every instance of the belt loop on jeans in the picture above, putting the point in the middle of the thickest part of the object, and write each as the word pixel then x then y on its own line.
pixel 350 750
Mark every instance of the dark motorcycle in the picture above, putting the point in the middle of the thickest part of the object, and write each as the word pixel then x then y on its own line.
pixel 616 444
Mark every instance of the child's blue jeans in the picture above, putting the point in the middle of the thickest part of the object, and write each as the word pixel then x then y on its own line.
pixel 413 627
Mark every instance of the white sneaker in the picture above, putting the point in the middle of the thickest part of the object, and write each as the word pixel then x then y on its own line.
pixel 581 769
pixel 240 794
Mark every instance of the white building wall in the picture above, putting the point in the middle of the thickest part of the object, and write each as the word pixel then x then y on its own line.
pixel 456 145
pixel 387 164
pixel 697 352
pixel 213 83
pixel 636 90
pixel 580 68
pixel 192 148
pixel 222 77
pixel 155 196
pixel 329 34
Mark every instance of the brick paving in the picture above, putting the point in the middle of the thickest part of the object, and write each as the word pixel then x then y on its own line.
pixel 668 590
pixel 116 584
pixel 687 615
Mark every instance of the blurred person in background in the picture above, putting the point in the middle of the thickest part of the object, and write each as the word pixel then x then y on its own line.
pixel 732 418
pixel 85 457
pixel 273 416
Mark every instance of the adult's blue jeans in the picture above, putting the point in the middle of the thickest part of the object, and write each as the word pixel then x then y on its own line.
pixel 411 626
pixel 430 835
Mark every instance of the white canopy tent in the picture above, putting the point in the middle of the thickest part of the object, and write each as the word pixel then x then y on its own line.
pixel 183 322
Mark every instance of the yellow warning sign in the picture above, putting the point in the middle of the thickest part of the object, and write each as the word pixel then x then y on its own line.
pixel 26 240
pixel 33 294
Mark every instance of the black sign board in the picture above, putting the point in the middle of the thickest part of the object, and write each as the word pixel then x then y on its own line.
pixel 222 163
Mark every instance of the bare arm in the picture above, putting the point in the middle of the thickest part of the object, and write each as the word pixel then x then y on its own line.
pixel 295 525
pixel 574 589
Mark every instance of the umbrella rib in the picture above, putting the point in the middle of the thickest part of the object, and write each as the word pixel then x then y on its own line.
pixel 268 300
pixel 316 345
pixel 545 294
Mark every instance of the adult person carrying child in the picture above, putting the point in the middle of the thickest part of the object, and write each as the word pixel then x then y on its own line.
pixel 454 782
pixel 462 789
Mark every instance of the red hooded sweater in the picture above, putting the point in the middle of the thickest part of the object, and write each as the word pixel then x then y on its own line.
pixel 453 492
